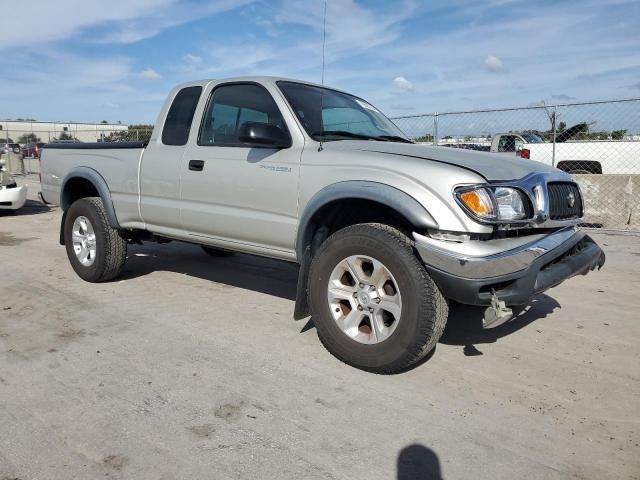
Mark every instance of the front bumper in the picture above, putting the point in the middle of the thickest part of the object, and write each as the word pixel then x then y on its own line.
pixel 515 269
pixel 13 198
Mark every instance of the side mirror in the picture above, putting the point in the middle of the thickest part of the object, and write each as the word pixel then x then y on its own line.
pixel 263 135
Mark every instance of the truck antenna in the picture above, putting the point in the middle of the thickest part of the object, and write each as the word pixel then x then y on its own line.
pixel 324 42
pixel 324 38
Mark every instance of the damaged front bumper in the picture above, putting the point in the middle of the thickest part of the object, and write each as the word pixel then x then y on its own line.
pixel 13 198
pixel 509 270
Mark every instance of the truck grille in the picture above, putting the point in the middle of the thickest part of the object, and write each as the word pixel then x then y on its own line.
pixel 565 202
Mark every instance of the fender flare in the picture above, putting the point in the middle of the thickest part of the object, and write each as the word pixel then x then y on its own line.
pixel 99 184
pixel 382 193
pixel 387 195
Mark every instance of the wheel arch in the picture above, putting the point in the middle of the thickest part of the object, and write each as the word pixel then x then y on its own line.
pixel 391 197
pixel 82 182
pixel 324 211
pixel 591 166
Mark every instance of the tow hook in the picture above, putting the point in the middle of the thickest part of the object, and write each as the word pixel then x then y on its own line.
pixel 496 314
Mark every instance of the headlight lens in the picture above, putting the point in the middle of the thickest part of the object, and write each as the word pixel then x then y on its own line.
pixel 503 204
pixel 510 204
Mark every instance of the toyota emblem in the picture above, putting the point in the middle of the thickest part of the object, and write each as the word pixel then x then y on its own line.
pixel 571 199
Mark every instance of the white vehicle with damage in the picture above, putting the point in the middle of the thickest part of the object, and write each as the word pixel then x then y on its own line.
pixel 12 196
pixel 620 157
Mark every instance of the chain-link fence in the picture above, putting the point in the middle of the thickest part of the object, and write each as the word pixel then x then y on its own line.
pixel 26 137
pixel 21 144
pixel 597 142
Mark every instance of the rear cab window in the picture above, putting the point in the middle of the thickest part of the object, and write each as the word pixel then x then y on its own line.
pixel 180 116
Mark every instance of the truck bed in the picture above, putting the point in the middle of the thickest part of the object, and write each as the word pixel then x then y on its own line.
pixel 116 162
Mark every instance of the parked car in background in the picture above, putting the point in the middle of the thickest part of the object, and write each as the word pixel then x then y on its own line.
pixel 601 156
pixel 468 146
pixel 10 147
pixel 74 140
pixel 32 149
pixel 572 156
pixel 12 197
pixel 512 142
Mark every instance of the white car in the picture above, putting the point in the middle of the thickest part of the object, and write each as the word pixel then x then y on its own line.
pixel 12 197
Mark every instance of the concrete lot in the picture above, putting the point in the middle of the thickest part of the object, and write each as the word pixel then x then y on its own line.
pixel 191 367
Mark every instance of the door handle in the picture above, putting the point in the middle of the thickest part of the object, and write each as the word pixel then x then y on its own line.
pixel 196 165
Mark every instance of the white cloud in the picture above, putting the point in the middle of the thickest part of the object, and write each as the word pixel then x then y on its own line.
pixel 563 97
pixel 403 84
pixel 149 74
pixel 54 21
pixel 493 63
pixel 350 27
pixel 176 13
pixel 191 59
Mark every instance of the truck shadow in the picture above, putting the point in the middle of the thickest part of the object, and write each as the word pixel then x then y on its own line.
pixel 464 326
pixel 279 278
pixel 263 275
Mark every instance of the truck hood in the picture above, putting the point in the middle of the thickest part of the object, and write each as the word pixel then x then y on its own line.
pixel 493 167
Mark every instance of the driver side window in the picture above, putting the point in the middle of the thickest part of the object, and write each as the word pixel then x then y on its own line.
pixel 230 107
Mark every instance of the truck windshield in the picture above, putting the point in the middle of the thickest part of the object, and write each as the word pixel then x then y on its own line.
pixel 329 115
pixel 532 138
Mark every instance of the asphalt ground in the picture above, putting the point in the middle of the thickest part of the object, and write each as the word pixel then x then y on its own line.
pixel 191 367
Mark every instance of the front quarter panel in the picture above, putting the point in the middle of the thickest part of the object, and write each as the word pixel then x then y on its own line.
pixel 431 184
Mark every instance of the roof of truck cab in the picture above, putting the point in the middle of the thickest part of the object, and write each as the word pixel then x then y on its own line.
pixel 255 79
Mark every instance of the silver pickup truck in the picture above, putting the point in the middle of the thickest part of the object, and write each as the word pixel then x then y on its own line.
pixel 387 233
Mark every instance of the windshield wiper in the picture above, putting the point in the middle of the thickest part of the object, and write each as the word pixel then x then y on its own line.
pixel 361 136
pixel 343 133
pixel 393 138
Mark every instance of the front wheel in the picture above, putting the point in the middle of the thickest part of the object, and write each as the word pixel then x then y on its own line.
pixel 95 250
pixel 374 305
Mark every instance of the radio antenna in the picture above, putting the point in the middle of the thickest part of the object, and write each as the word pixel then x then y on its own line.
pixel 324 37
pixel 324 42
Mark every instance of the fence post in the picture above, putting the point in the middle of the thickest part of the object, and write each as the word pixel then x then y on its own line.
pixel 435 129
pixel 554 117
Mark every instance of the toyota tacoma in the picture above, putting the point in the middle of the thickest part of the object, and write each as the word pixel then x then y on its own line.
pixel 387 233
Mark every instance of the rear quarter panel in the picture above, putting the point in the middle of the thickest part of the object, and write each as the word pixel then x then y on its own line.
pixel 118 167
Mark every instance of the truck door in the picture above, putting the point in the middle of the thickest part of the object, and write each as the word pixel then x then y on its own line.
pixel 160 168
pixel 239 194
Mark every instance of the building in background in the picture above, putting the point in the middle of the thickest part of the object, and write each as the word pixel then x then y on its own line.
pixel 26 131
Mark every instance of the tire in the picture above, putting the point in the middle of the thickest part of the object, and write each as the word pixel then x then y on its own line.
pixel 216 252
pixel 422 310
pixel 89 218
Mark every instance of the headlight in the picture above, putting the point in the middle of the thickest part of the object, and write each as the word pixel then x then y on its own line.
pixel 510 204
pixel 494 204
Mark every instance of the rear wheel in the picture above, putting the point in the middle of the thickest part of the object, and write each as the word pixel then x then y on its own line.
pixel 374 305
pixel 95 250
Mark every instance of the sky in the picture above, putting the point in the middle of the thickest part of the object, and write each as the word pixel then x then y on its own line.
pixel 94 60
